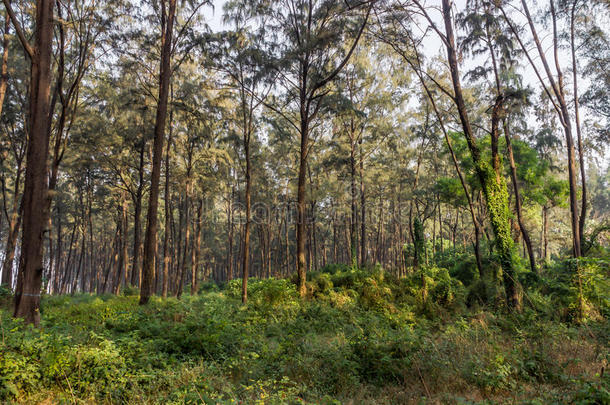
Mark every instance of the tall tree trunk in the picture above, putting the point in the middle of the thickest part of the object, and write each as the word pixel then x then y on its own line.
pixel 496 115
pixel 4 68
pixel 9 256
pixel 354 199
pixel 11 243
pixel 167 196
pixel 545 227
pixel 29 279
pixel 230 234
pixel 137 222
pixel 58 251
pixel 187 237
pixel 150 241
pixel 196 248
pixel 494 188
pixel 513 175
pixel 178 245
pixel 581 156
pixel 556 94
pixel 66 272
pixel 246 246
pixel 121 276
pixel 301 207
pixel 79 269
pixel 363 257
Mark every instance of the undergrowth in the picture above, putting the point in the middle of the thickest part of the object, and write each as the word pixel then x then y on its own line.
pixel 361 336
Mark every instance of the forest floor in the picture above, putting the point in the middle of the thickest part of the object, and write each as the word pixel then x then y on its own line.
pixel 358 339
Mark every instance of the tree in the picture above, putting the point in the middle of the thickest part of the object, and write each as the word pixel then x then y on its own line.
pixel 29 278
pixel 306 62
pixel 242 64
pixel 150 242
pixel 487 35
pixel 556 92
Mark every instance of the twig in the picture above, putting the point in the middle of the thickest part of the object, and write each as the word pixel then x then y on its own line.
pixel 421 377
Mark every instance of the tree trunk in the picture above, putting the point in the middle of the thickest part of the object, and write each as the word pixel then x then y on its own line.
pixel 121 277
pixel 556 94
pixel 196 248
pixel 363 255
pixel 4 69
pixel 137 223
pixel 300 228
pixel 66 277
pixel 230 235
pixel 545 227
pixel 246 246
pixel 58 251
pixel 513 175
pixel 29 279
pixel 583 179
pixel 187 238
pixel 150 242
pixel 354 199
pixel 167 196
pixel 9 251
pixel 494 188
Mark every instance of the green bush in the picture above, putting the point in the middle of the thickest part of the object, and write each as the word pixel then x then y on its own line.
pixel 333 268
pixel 362 336
pixel 208 286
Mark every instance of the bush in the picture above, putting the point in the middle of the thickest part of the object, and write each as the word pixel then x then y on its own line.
pixel 333 268
pixel 356 339
pixel 208 286
pixel 130 291
pixel 5 291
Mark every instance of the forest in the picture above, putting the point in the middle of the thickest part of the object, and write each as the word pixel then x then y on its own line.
pixel 305 201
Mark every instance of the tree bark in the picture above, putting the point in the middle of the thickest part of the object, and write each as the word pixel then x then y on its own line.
pixel 495 191
pixel 29 279
pixel 167 196
pixel 11 242
pixel 230 234
pixel 354 198
pixel 513 175
pixel 121 277
pixel 363 255
pixel 556 94
pixel 246 246
pixel 137 222
pixel 583 180
pixel 150 241
pixel 196 248
pixel 300 228
pixel 4 68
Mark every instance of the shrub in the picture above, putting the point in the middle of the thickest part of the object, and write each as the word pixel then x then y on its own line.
pixel 208 286
pixel 333 268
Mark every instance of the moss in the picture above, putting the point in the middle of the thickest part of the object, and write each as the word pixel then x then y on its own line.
pixel 496 197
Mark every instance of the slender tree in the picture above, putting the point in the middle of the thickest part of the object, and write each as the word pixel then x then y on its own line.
pixel 168 13
pixel 29 278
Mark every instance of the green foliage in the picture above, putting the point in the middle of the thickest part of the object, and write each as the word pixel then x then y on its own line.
pixel 419 241
pixel 208 286
pixel 334 268
pixel 362 335
pixel 573 289
pixel 5 291
pixel 130 291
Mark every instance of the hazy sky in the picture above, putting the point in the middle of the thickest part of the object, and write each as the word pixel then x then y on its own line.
pixel 214 15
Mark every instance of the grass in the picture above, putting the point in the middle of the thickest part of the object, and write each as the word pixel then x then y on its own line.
pixel 359 338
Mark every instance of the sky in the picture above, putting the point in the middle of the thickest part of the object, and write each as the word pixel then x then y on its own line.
pixel 214 15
